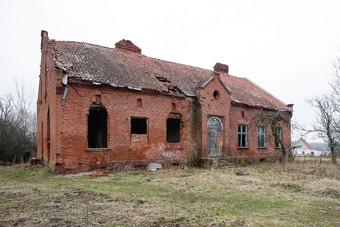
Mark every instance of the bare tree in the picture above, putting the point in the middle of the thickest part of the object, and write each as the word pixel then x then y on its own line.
pixel 326 124
pixel 335 94
pixel 17 126
pixel 274 121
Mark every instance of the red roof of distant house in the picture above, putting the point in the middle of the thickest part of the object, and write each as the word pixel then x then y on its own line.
pixel 123 68
pixel 306 143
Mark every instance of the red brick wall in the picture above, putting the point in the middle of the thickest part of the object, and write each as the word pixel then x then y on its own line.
pixel 253 152
pixel 214 107
pixel 232 117
pixel 121 105
pixel 48 102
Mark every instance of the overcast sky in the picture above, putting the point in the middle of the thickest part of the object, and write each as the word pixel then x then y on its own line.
pixel 286 47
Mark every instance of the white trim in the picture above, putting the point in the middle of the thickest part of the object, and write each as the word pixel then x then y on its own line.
pixel 218 119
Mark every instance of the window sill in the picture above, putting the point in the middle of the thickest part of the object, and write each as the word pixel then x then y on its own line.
pixel 262 148
pixel 174 145
pixel 97 149
pixel 243 148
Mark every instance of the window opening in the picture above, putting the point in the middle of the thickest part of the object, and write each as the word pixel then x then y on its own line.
pixel 261 137
pixel 138 126
pixel 97 127
pixel 242 136
pixel 173 130
pixel 278 137
pixel 216 94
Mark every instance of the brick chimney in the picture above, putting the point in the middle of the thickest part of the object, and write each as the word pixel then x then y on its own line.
pixel 221 68
pixel 128 46
pixel 44 39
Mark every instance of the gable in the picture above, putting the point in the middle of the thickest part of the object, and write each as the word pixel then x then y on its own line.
pixel 217 78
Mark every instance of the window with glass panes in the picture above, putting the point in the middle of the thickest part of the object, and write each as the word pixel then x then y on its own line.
pixel 278 137
pixel 261 137
pixel 242 136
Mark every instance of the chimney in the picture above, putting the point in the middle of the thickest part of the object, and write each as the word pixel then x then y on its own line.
pixel 44 39
pixel 290 106
pixel 221 68
pixel 128 46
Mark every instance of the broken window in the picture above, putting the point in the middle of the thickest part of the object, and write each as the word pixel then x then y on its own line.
pixel 173 130
pixel 138 125
pixel 97 127
pixel 242 136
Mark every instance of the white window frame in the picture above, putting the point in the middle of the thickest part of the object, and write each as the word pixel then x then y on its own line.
pixel 278 131
pixel 261 137
pixel 240 133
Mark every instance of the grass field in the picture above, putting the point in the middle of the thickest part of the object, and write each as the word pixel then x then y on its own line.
pixel 256 195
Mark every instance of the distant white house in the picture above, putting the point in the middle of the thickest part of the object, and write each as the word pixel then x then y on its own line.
pixel 303 148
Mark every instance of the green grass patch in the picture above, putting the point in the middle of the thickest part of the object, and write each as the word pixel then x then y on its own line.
pixel 190 197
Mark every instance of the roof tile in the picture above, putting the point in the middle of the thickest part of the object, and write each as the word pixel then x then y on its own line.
pixel 117 67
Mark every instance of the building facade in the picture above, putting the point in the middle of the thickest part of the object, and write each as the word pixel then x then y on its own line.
pixel 303 148
pixel 101 107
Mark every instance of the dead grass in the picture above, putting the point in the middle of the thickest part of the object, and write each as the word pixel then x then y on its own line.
pixel 308 195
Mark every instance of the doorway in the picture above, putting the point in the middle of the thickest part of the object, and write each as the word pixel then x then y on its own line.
pixel 215 136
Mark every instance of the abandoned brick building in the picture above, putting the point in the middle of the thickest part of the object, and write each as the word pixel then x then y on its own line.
pixel 101 107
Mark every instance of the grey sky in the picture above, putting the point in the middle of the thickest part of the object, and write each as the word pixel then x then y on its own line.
pixel 286 47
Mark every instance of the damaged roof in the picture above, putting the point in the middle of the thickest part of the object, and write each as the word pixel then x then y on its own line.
pixel 121 68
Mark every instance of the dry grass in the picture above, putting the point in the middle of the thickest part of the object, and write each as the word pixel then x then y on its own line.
pixel 308 195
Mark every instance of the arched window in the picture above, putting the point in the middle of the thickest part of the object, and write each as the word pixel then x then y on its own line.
pixel 97 127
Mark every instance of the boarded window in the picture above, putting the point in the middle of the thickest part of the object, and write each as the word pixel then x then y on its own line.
pixel 278 137
pixel 242 136
pixel 173 130
pixel 138 126
pixel 97 127
pixel 261 137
